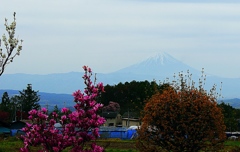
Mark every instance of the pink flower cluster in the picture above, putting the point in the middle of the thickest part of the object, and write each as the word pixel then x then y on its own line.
pixel 78 127
pixel 113 106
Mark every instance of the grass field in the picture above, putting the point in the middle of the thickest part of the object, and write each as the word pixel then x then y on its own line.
pixel 13 144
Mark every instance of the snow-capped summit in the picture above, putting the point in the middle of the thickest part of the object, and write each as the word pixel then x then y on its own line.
pixel 162 58
pixel 160 65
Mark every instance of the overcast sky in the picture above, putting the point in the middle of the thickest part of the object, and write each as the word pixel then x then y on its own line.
pixel 107 35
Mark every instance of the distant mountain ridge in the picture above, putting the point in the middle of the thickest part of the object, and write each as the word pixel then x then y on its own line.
pixel 158 67
pixel 48 99
pixel 51 83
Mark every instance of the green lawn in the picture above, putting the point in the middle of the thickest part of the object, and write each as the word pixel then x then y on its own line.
pixel 13 144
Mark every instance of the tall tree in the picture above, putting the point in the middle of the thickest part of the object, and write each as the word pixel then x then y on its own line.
pixel 10 43
pixel 10 106
pixel 230 117
pixel 182 118
pixel 130 95
pixel 5 108
pixel 29 99
pixel 16 108
pixel 5 104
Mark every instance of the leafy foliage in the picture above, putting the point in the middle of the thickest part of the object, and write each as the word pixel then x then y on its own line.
pixel 182 118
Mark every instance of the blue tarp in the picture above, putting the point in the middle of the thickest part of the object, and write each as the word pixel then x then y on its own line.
pixel 14 132
pixel 118 133
pixel 105 132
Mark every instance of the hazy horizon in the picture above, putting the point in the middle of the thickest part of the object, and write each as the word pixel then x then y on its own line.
pixel 62 36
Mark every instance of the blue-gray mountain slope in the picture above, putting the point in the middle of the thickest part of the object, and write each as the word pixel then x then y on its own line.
pixel 157 68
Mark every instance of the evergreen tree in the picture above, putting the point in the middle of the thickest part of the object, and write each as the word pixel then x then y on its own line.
pixel 15 107
pixel 5 108
pixel 130 95
pixel 230 117
pixel 29 99
pixel 5 104
pixel 10 106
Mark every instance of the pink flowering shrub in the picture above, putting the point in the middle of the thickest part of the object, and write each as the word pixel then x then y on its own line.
pixel 112 106
pixel 78 127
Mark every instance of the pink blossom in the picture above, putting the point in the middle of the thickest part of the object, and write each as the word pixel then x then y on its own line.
pixel 33 112
pixel 85 68
pixel 89 70
pixel 77 95
pixel 54 114
pixel 52 122
pixel 75 125
pixel 30 117
pixel 55 149
pixel 95 90
pixel 42 116
pixel 100 87
pixel 44 110
pixel 24 149
pixel 97 148
pixel 64 117
pixel 64 110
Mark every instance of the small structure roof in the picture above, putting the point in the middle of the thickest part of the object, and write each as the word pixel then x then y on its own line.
pixel 17 125
pixel 132 115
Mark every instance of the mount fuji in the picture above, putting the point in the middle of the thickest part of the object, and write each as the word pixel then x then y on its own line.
pixel 161 65
pixel 157 67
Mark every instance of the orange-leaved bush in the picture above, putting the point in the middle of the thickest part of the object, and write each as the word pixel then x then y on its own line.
pixel 181 119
